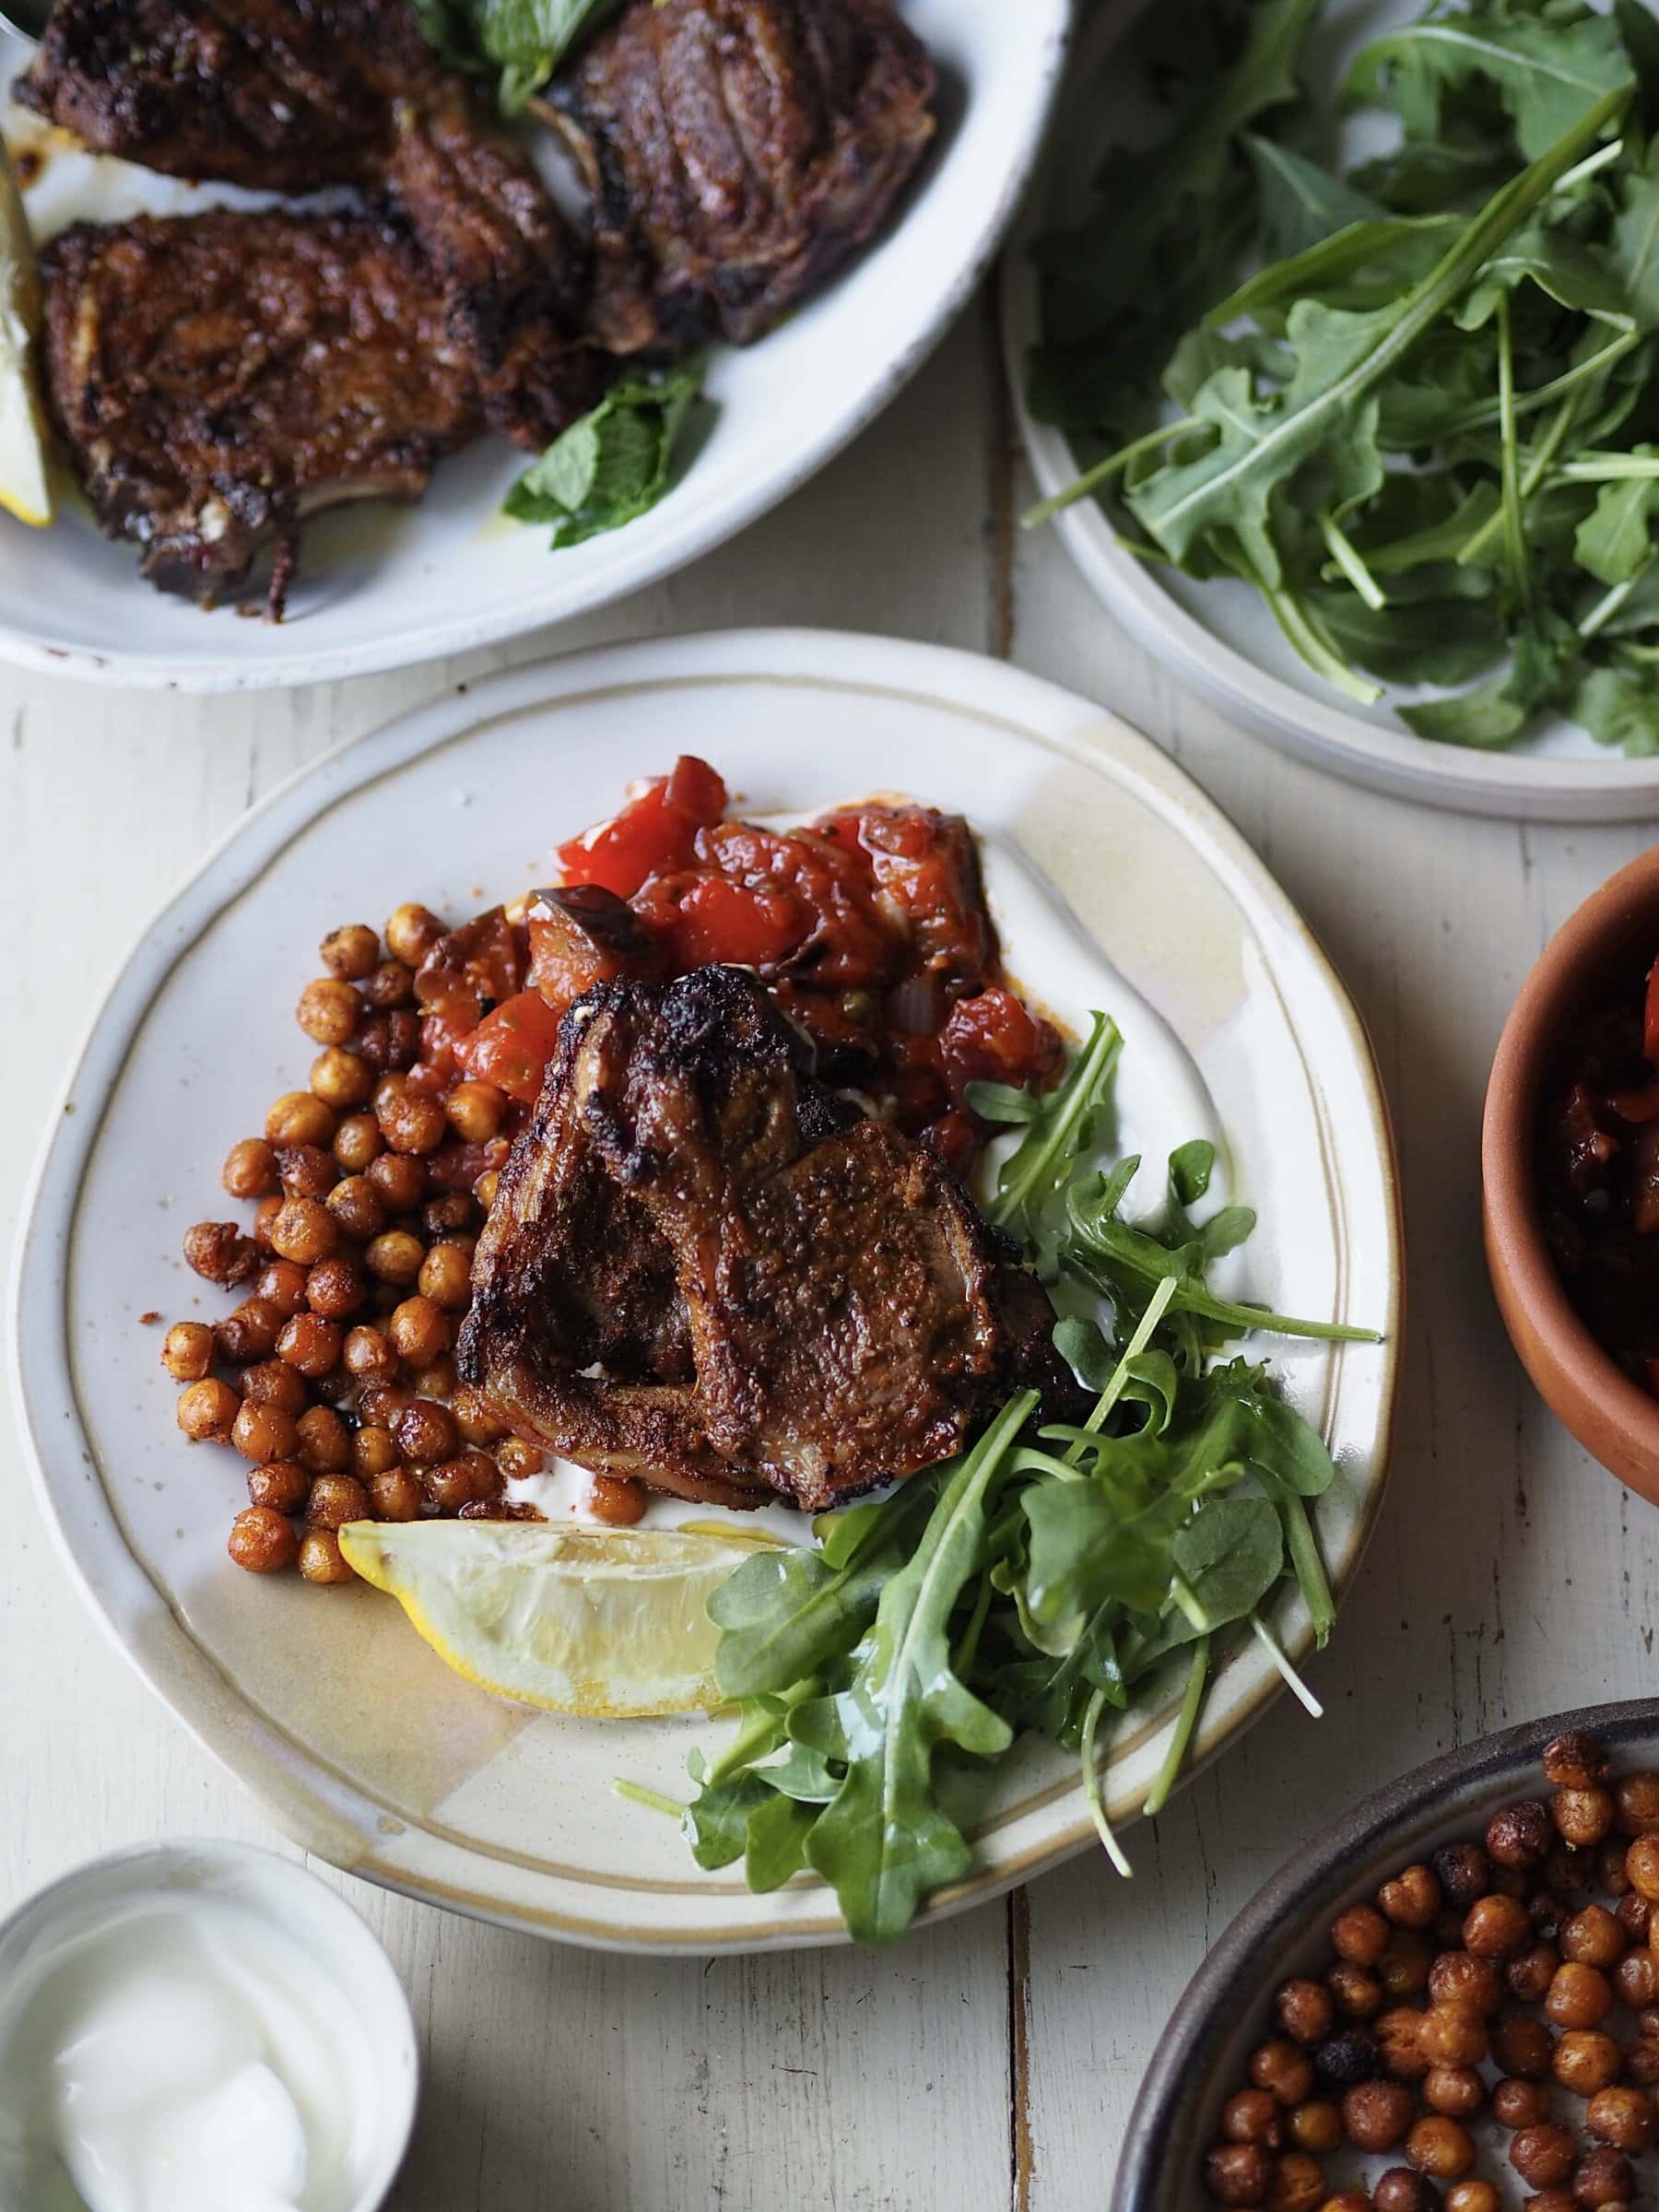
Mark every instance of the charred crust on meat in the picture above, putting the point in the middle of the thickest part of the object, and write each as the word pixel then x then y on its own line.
pixel 706 1269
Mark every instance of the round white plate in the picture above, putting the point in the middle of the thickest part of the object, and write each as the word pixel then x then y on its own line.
pixel 1218 637
pixel 357 1738
pixel 381 588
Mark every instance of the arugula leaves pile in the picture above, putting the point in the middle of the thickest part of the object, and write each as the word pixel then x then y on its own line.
pixel 614 463
pixel 1415 406
pixel 1046 1579
pixel 519 43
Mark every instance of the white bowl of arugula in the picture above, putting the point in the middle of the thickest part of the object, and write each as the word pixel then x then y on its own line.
pixel 1375 469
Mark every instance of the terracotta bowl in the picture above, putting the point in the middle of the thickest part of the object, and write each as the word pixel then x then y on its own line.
pixel 1613 931
pixel 1228 2009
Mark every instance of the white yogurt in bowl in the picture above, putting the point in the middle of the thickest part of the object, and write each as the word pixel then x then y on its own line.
pixel 199 2028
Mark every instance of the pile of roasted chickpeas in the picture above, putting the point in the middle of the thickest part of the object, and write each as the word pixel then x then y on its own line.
pixel 335 1378
pixel 1500 2005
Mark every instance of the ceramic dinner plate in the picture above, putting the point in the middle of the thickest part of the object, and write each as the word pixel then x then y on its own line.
pixel 1113 878
pixel 381 588
pixel 1218 637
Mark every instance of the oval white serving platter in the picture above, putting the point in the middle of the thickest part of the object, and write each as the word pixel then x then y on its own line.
pixel 1218 637
pixel 360 1742
pixel 383 588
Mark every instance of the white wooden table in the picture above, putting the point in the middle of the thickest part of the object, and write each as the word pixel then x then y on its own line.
pixel 990 2063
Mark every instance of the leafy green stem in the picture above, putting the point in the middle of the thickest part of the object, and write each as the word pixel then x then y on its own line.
pixel 1186 1721
pixel 1092 1789
pixel 1103 471
pixel 1275 1652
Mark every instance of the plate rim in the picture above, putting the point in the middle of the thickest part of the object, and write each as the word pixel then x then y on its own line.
pixel 287 1780
pixel 220 672
pixel 1510 785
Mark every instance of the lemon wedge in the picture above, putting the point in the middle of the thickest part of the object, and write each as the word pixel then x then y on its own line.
pixel 25 487
pixel 612 1623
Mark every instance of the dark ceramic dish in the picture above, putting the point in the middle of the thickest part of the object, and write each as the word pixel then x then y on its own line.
pixel 1283 1930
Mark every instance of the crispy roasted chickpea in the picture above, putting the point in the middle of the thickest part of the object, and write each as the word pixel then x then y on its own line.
pixel 1642 1867
pixel 1517 2104
pixel 372 1451
pixel 454 1213
pixel 437 1377
pixel 1586 2060
pixel 1298 2184
pixel 298 1118
pixel 220 1253
pixel 1520 1835
pixel 478 1422
pixel 1578 1996
pixel 1454 2090
pixel 1459 1978
pixel 1464 1872
pixel 1622 2116
pixel 1347 2200
pixel 350 952
pixel 250 1169
pixel 1283 2070
pixel 425 1432
pixel 341 1080
pixel 1495 1925
pixel 304 1230
pixel 395 1256
pixel 389 1043
pixel 419 1331
pixel 516 1459
pixel 1439 2146
pixel 468 1480
pixel 357 1141
pixel 1239 2173
pixel 388 984
pixel 249 1334
pixel 306 1170
pixel 396 1495
pixel 1582 1815
pixel 281 1486
pixel 274 1382
pixel 1634 1913
pixel 329 1010
pixel 263 1540
pixel 485 1189
pixel 477 1111
pixel 264 1213
pixel 335 1499
pixel 1315 2126
pixel 383 1402
pixel 1359 1995
pixel 187 1353
pixel 1377 2114
pixel 1592 1938
pixel 359 1207
pixel 1411 1900
pixel 325 1443
pixel 208 1411
pixel 1360 1934
pixel 445 1277
pixel 1636 1804
pixel 1603 2177
pixel 263 1432
pixel 308 1344
pixel 1452 2035
pixel 1523 2045
pixel 320 1558
pixel 619 1501
pixel 1530 1972
pixel 1473 2197
pixel 368 1355
pixel 1402 2190
pixel 1403 1969
pixel 282 1285
pixel 336 1288
pixel 1575 1762
pixel 1542 2156
pixel 411 931
pixel 1636 1979
pixel 400 1181
pixel 411 1121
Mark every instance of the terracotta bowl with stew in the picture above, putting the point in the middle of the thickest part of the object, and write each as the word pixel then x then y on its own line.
pixel 1605 946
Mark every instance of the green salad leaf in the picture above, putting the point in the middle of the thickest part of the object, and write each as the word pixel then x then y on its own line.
pixel 613 464
pixel 520 43
pixel 1046 1578
pixel 1415 407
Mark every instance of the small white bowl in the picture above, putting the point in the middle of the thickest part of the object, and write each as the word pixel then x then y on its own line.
pixel 338 1940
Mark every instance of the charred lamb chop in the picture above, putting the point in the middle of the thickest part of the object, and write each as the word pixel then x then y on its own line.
pixel 220 376
pixel 706 1269
pixel 734 152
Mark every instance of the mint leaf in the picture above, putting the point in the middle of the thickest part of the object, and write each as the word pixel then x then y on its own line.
pixel 520 42
pixel 614 463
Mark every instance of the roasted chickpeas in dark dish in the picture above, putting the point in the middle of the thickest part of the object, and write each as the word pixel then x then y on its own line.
pixel 1523 2056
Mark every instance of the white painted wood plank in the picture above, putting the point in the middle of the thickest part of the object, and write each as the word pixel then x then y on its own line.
pixel 1510 1576
pixel 555 2078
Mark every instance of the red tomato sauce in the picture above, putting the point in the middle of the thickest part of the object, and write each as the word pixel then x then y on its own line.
pixel 1599 1167
pixel 870 927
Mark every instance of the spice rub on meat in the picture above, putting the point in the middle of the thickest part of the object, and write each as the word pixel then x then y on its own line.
pixel 706 1269
pixel 220 376
pixel 736 152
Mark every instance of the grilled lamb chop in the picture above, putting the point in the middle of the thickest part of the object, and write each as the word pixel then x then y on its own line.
pixel 218 377
pixel 289 95
pixel 706 1269
pixel 735 151
pixel 280 95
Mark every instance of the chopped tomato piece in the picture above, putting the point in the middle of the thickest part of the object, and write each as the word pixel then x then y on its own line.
pixel 993 1038
pixel 717 920
pixel 844 944
pixel 928 876
pixel 511 1047
pixel 654 834
pixel 581 934
pixel 1650 1019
